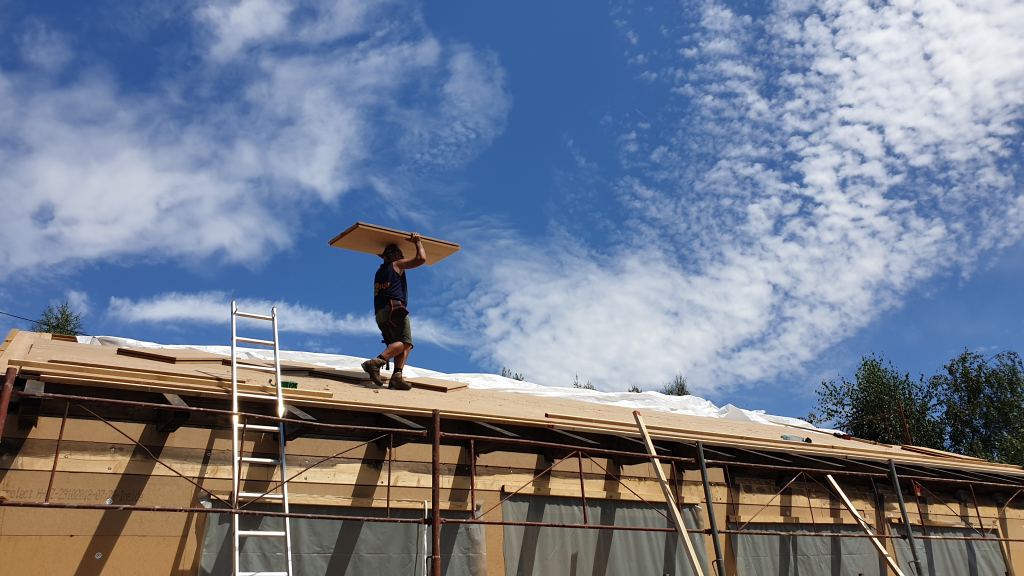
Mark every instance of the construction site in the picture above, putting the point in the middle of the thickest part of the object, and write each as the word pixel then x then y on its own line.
pixel 148 460
pixel 126 457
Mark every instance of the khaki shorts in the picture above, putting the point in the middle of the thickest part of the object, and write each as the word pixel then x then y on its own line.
pixel 400 333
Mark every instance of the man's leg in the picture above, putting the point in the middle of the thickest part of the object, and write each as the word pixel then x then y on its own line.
pixel 397 379
pixel 394 350
pixel 401 359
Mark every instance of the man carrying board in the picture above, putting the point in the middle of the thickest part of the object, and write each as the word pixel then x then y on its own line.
pixel 390 303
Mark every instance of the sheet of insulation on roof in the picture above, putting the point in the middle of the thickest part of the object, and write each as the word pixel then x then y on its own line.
pixel 688 405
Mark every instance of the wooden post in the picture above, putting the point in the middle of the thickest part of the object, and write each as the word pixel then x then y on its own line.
pixel 677 518
pixel 5 396
pixel 435 496
pixel 864 526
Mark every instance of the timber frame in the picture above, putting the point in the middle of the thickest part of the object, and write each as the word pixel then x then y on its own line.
pixel 736 482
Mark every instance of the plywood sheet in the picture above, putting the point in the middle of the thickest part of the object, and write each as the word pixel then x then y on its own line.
pixel 371 239
pixel 436 384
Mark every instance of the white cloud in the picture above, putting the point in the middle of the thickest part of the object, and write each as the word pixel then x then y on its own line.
pixel 238 24
pixel 829 159
pixel 285 111
pixel 79 302
pixel 214 308
pixel 44 47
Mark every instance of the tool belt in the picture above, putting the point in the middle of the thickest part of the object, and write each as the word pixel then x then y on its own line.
pixel 398 313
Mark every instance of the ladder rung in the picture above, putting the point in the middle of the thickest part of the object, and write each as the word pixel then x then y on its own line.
pixel 254 316
pixel 261 534
pixel 257 495
pixel 257 367
pixel 259 427
pixel 263 574
pixel 253 460
pixel 270 343
pixel 259 396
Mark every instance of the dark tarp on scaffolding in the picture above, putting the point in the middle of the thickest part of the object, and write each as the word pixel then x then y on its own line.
pixel 763 555
pixel 951 557
pixel 536 551
pixel 342 547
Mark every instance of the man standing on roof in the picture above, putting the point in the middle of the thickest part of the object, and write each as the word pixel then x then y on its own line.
pixel 390 301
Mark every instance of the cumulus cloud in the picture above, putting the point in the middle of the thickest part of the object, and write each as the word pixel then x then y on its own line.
pixel 214 308
pixel 79 301
pixel 817 165
pixel 285 106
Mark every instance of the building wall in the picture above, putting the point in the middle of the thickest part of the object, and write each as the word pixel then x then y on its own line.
pixel 98 463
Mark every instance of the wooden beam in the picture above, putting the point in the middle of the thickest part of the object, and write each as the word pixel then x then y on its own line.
pixel 865 527
pixel 669 498
pixel 167 420
pixel 28 408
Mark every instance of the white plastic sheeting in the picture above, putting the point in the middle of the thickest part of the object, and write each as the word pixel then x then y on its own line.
pixel 689 405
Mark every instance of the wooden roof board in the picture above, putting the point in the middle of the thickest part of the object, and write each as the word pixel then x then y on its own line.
pixel 504 408
pixel 372 239
pixel 173 356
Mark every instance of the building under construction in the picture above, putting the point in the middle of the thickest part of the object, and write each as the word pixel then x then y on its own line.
pixel 123 460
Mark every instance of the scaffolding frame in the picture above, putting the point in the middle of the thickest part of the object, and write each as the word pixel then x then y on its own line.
pixel 436 435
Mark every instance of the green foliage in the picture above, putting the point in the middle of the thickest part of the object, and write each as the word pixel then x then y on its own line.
pixel 635 389
pixel 984 406
pixel 879 388
pixel 577 384
pixel 513 375
pixel 677 387
pixel 59 320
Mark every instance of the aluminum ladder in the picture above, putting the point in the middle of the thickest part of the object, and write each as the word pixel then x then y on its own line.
pixel 238 429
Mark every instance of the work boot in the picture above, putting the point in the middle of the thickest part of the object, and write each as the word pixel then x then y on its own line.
pixel 372 368
pixel 397 382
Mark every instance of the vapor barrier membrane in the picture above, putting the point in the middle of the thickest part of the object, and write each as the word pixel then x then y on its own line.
pixel 344 547
pixel 951 557
pixel 535 551
pixel 759 555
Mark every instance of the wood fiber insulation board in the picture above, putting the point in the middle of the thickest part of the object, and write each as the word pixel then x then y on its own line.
pixel 112 459
pixel 8 339
pixel 372 239
pixel 950 460
pixel 436 384
pixel 126 379
pixel 510 408
pixel 99 370
pixel 54 555
pixel 172 356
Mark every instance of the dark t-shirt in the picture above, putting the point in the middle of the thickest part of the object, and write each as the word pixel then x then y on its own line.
pixel 389 285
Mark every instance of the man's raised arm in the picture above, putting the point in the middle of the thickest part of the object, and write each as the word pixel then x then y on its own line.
pixel 419 260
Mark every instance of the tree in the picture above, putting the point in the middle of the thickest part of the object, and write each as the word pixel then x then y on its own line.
pixel 677 387
pixel 878 389
pixel 577 384
pixel 984 406
pixel 635 389
pixel 509 374
pixel 59 320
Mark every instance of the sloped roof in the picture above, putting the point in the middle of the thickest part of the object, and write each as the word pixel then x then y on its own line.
pixel 330 381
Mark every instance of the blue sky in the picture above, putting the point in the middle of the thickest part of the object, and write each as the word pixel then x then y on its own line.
pixel 751 194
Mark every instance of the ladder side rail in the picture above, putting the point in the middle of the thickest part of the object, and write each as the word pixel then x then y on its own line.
pixel 281 442
pixel 235 452
pixel 284 501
